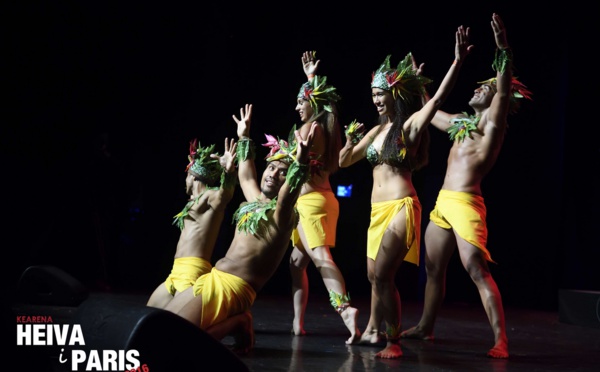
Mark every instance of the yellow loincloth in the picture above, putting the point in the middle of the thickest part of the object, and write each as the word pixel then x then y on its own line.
pixel 382 214
pixel 184 273
pixel 465 213
pixel 319 212
pixel 223 295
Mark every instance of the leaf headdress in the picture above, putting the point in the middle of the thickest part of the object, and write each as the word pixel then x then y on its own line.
pixel 319 94
pixel 201 164
pixel 518 91
pixel 282 150
pixel 286 151
pixel 402 81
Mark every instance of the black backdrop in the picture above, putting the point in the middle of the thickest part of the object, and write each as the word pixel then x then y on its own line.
pixel 102 98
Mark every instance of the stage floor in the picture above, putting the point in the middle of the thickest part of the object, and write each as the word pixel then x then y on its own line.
pixel 538 341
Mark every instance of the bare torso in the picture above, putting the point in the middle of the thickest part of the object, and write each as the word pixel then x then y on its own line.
pixel 318 182
pixel 472 159
pixel 256 258
pixel 389 183
pixel 201 229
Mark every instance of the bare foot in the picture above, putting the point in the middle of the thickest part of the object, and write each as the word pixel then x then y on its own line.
pixel 392 351
pixel 499 351
pixel 244 335
pixel 371 337
pixel 416 333
pixel 298 328
pixel 350 315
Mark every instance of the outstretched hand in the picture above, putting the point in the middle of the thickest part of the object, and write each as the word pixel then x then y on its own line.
pixel 227 161
pixel 243 123
pixel 304 145
pixel 462 47
pixel 499 32
pixel 418 70
pixel 310 63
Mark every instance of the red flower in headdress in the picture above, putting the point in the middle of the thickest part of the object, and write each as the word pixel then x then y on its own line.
pixel 193 153
pixel 519 90
pixel 272 143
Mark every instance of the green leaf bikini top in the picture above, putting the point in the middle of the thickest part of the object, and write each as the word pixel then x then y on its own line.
pixel 372 155
pixel 375 158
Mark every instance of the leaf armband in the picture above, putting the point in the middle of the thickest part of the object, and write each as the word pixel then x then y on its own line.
pixel 297 174
pixel 245 150
pixel 351 132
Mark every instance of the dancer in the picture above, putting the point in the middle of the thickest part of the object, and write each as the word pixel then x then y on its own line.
pixel 459 216
pixel 317 204
pixel 220 301
pixel 200 219
pixel 396 147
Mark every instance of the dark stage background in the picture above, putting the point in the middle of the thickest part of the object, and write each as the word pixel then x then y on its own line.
pixel 102 98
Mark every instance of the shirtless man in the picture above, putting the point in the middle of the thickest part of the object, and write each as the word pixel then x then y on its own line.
pixel 219 302
pixel 200 219
pixel 477 143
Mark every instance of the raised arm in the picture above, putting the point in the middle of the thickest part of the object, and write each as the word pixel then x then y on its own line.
pixel 424 116
pixel 418 70
pixel 219 200
pixel 297 174
pixel 310 64
pixel 441 120
pixel 503 61
pixel 246 154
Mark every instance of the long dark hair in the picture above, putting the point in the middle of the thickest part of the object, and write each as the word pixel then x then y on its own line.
pixel 404 108
pixel 333 137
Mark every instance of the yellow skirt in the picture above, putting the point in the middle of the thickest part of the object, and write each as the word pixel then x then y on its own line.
pixel 223 295
pixel 382 214
pixel 184 273
pixel 319 212
pixel 465 213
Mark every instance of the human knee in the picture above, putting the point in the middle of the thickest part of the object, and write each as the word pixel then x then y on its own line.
pixel 433 256
pixel 436 275
pixel 478 272
pixel 246 318
pixel 383 282
pixel 371 277
pixel 298 262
